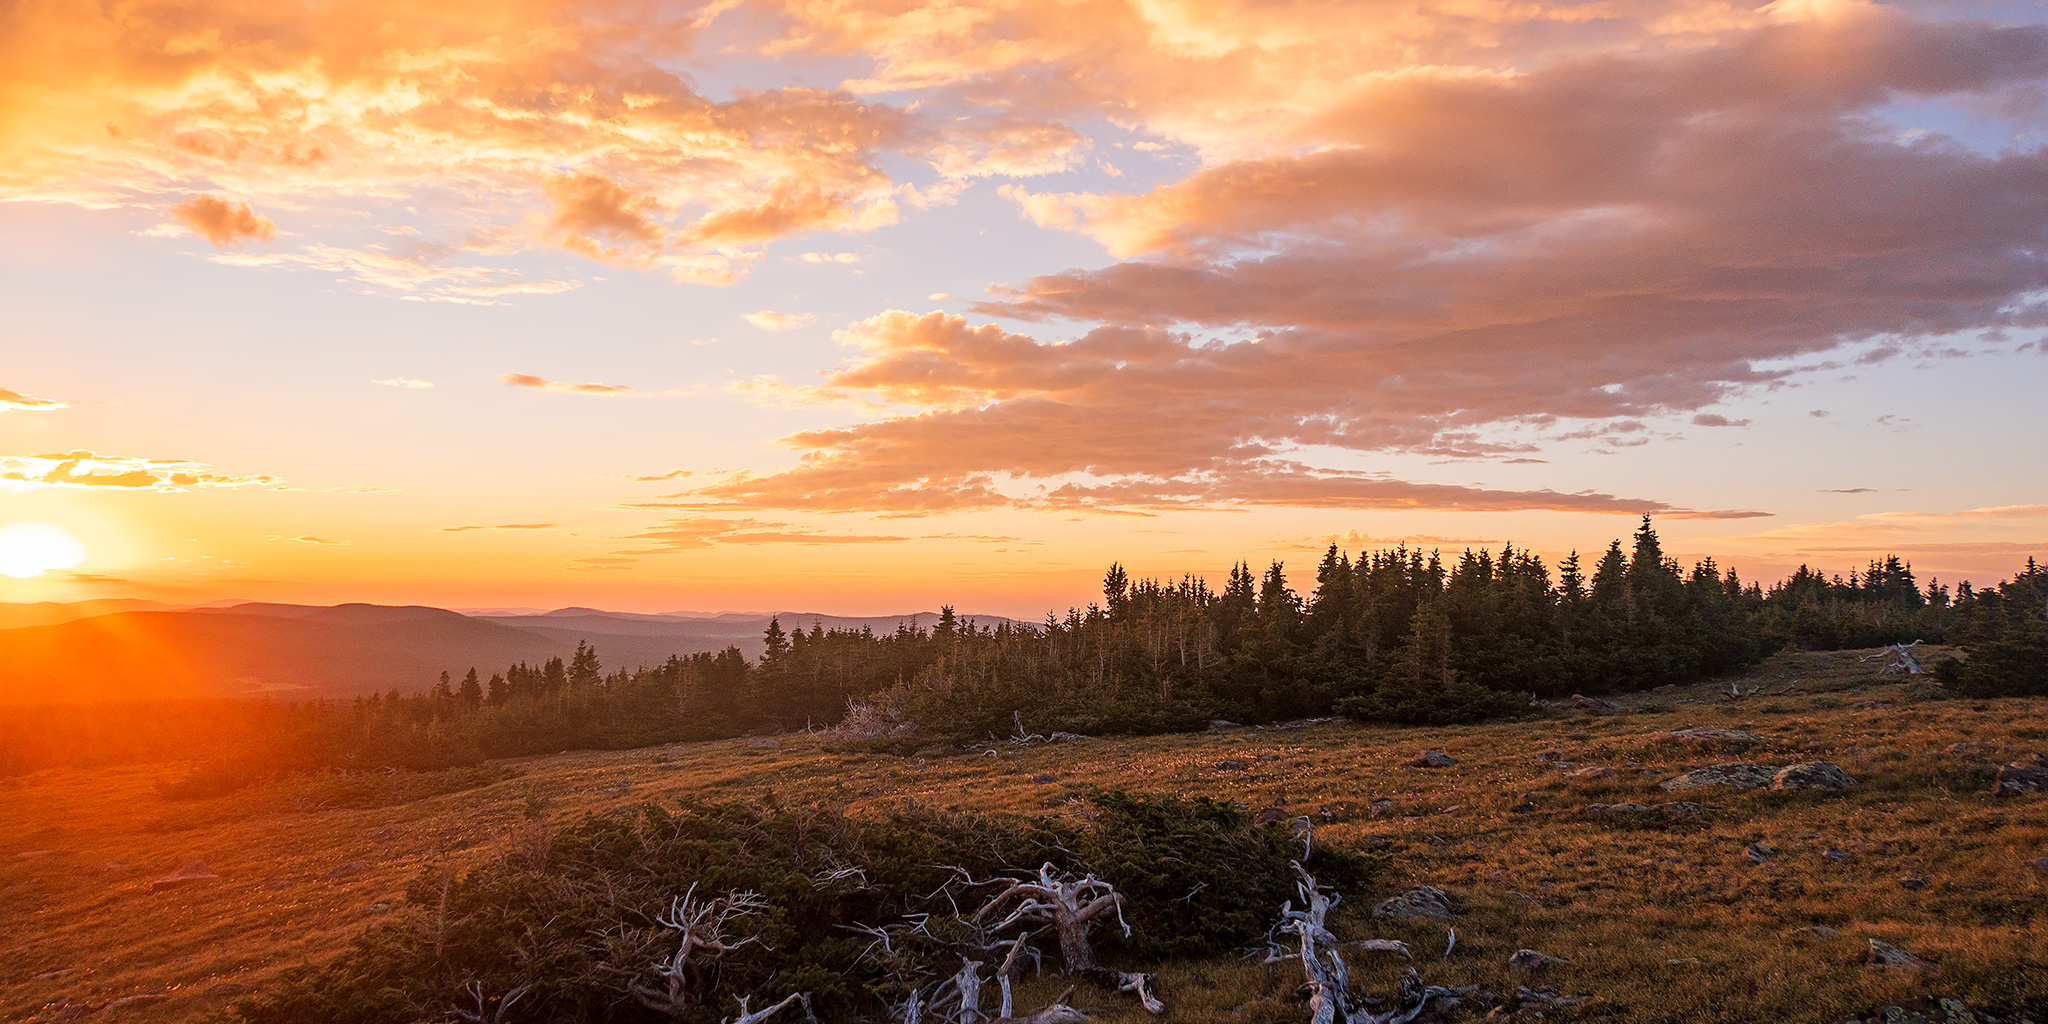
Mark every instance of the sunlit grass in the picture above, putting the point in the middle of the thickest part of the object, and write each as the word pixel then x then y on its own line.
pixel 1661 923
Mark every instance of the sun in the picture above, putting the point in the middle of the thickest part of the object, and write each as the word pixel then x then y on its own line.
pixel 32 549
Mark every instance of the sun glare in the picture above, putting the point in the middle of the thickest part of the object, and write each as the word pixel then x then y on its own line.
pixel 32 549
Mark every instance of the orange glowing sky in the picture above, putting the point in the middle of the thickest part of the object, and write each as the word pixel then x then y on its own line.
pixel 861 306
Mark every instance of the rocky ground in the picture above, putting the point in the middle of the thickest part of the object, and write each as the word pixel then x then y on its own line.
pixel 1814 842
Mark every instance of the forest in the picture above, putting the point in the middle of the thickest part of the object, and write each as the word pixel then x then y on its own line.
pixel 1395 635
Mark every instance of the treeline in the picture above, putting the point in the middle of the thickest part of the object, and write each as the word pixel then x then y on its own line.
pixel 1395 635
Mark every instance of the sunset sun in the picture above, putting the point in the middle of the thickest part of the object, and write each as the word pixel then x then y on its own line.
pixel 32 549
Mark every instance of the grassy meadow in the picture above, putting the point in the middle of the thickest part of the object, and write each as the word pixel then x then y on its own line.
pixel 1660 920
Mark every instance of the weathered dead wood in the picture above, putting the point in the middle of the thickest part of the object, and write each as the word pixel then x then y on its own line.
pixel 486 1012
pixel 677 986
pixel 1070 906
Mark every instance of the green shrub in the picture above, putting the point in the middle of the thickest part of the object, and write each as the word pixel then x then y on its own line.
pixel 579 923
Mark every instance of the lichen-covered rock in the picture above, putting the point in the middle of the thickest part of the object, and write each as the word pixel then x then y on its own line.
pixel 1531 960
pixel 1596 705
pixel 2018 778
pixel 1759 852
pixel 1434 759
pixel 1683 809
pixel 1742 774
pixel 1425 902
pixel 1812 775
pixel 1732 737
pixel 1884 954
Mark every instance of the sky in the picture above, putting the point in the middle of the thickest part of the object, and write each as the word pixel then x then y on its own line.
pixel 865 306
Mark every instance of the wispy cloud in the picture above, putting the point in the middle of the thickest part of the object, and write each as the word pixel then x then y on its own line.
pixel 500 526
pixel 527 380
pixel 15 401
pixel 91 469
pixel 769 320
pixel 404 382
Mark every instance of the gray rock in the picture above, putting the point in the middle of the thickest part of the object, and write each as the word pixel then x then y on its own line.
pixel 1229 766
pixel 193 871
pixel 1426 902
pixel 1434 759
pixel 1682 809
pixel 1884 954
pixel 1914 883
pixel 1759 852
pixel 1735 773
pixel 1812 775
pixel 1221 724
pixel 1836 855
pixel 2018 778
pixel 137 1000
pixel 1707 735
pixel 349 870
pixel 1821 931
pixel 2039 863
pixel 1044 779
pixel 1591 771
pixel 1597 705
pixel 1531 960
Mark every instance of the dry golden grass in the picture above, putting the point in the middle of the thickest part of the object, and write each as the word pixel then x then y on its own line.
pixel 1660 923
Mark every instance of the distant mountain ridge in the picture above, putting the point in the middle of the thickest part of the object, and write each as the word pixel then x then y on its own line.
pixel 110 650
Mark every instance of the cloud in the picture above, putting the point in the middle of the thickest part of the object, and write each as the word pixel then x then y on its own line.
pixel 691 533
pixel 830 257
pixel 90 469
pixel 500 526
pixel 1848 490
pixel 404 382
pixel 1567 241
pixel 15 401
pixel 527 380
pixel 223 223
pixel 311 540
pixel 413 272
pixel 1003 420
pixel 769 320
pixel 1714 419
pixel 547 124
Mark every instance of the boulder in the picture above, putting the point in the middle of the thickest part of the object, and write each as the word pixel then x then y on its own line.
pixel 1684 809
pixel 1732 737
pixel 1597 705
pixel 1271 814
pixel 1812 775
pixel 1229 766
pixel 193 871
pixel 2018 778
pixel 1591 771
pixel 1914 883
pixel 349 870
pixel 1422 903
pixel 1531 960
pixel 1433 759
pixel 1735 773
pixel 1759 852
pixel 1884 954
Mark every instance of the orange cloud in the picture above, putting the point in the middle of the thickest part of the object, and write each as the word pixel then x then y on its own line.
pixel 15 401
pixel 700 532
pixel 501 526
pixel 559 120
pixel 91 469
pixel 769 320
pixel 527 380
pixel 223 223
